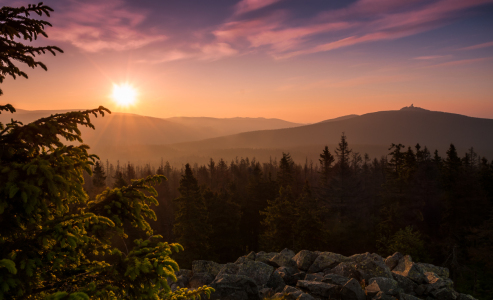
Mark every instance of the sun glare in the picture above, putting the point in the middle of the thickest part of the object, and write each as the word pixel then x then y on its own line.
pixel 124 94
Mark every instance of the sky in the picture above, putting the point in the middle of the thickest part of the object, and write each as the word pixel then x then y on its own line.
pixel 298 60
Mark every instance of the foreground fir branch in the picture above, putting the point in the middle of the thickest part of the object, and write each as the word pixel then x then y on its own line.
pixel 54 242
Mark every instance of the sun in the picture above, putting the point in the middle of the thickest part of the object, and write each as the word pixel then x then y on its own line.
pixel 124 94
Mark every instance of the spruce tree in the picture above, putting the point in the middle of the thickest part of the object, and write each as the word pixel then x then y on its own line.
pixel 191 227
pixel 98 176
pixel 54 242
pixel 278 223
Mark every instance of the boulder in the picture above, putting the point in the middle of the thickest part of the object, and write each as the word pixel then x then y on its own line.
pixel 251 256
pixel 229 269
pixel 314 277
pixel 200 279
pixel 371 265
pixel 205 266
pixel 440 271
pixel 266 293
pixel 345 269
pixel 288 253
pixel 234 287
pixel 352 291
pixel 319 289
pixel 326 260
pixel 276 282
pixel 409 269
pixel 258 271
pixel 383 296
pixel 403 296
pixel 434 282
pixel 291 292
pixel 386 285
pixel 407 285
pixel 444 294
pixel 304 296
pixel 465 297
pixel 335 279
pixel 304 259
pixel 393 260
pixel 281 260
pixel 264 257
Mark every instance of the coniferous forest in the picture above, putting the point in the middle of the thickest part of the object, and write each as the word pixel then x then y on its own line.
pixel 435 207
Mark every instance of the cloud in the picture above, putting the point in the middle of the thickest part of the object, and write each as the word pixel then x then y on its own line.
pixel 433 57
pixel 461 62
pixel 245 6
pixel 474 47
pixel 101 25
pixel 362 22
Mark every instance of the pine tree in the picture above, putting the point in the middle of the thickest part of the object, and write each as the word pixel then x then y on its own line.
pixel 326 160
pixel 280 216
pixel 98 176
pixel 54 242
pixel 285 176
pixel 191 227
pixel 309 229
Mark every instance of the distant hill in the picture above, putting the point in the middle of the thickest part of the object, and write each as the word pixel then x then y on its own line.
pixel 372 132
pixel 140 139
pixel 340 118
pixel 119 129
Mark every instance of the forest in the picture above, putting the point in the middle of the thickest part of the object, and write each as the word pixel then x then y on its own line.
pixel 435 207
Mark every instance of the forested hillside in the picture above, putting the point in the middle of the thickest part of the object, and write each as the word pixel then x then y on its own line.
pixel 434 206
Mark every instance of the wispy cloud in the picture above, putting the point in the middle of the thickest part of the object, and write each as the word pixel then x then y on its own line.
pixel 461 62
pixel 362 22
pixel 479 46
pixel 101 25
pixel 245 6
pixel 433 57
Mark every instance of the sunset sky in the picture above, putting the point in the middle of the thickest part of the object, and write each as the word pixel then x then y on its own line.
pixel 297 60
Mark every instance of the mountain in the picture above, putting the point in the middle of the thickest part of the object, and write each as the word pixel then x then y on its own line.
pixel 123 129
pixel 372 133
pixel 340 118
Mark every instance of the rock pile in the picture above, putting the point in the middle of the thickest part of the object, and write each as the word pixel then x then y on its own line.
pixel 321 275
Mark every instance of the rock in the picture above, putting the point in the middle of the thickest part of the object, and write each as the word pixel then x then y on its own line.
pixel 304 296
pixel 266 293
pixel 241 260
pixel 386 285
pixel 281 260
pixel 234 287
pixel 372 289
pixel 184 272
pixel 200 279
pixel 258 271
pixel 251 256
pixel 182 278
pixel 276 282
pixel 371 265
pixel 403 296
pixel 326 260
pixel 444 294
pixel 292 292
pixel 345 269
pixel 229 269
pixel 434 282
pixel 335 279
pixel 182 281
pixel 408 269
pixel 205 266
pixel 383 296
pixel 440 271
pixel 304 259
pixel 465 297
pixel 407 285
pixel 393 260
pixel 319 289
pixel 264 257
pixel 352 291
pixel 288 253
pixel 314 277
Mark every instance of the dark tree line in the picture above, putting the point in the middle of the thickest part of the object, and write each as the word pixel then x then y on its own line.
pixel 438 209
